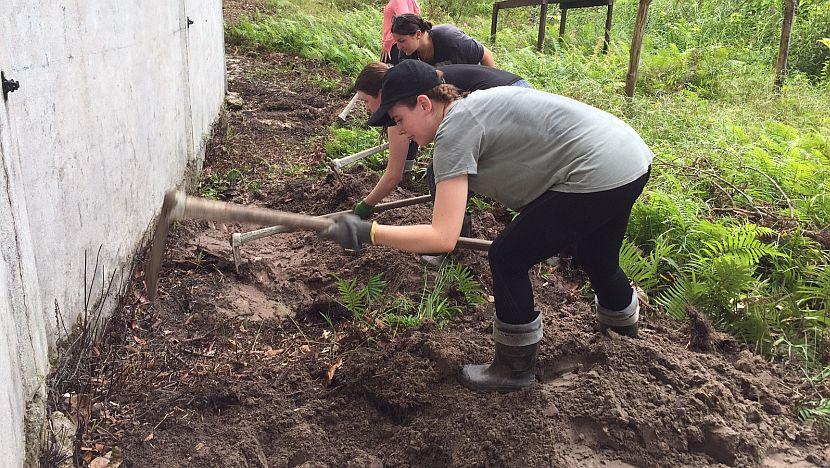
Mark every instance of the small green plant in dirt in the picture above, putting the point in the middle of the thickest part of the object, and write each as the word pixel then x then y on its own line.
pixel 293 169
pixel 325 83
pixel 369 301
pixel 446 295
pixel 361 301
pixel 815 410
pixel 480 203
pixel 815 406
pixel 216 185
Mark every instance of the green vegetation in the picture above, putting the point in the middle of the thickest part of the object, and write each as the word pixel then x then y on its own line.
pixel 346 141
pixel 735 221
pixel 443 296
pixel 217 185
pixel 345 40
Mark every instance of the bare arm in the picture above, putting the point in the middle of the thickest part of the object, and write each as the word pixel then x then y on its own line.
pixel 442 234
pixel 398 147
pixel 487 59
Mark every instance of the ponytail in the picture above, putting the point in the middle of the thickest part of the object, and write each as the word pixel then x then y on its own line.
pixel 408 24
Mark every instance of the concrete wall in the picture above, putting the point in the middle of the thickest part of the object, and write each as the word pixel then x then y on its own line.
pixel 115 103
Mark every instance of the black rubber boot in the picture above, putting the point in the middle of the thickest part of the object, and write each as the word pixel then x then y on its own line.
pixel 622 322
pixel 517 347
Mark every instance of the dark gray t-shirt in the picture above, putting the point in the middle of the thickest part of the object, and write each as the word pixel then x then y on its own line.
pixel 468 77
pixel 517 143
pixel 451 45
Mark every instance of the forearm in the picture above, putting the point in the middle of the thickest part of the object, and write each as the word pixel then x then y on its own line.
pixel 421 238
pixel 398 147
pixel 387 183
pixel 439 236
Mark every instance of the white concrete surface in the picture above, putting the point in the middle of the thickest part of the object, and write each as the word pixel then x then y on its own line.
pixel 115 102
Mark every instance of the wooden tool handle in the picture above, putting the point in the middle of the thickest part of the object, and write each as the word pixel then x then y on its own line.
pixel 201 208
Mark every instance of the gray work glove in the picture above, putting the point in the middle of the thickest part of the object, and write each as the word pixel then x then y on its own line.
pixel 349 231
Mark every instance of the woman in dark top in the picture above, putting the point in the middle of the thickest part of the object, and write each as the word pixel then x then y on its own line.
pixel 439 45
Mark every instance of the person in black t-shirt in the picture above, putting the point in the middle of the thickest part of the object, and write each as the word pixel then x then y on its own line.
pixel 474 77
pixel 439 45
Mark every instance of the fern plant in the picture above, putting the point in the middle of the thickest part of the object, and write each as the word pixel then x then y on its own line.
pixel 360 300
pixel 437 300
pixel 815 410
pixel 718 277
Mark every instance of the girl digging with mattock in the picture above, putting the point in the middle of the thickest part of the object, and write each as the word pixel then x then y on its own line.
pixel 572 171
pixel 368 87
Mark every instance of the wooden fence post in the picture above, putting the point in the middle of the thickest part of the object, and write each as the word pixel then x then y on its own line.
pixel 543 19
pixel 784 48
pixel 636 45
pixel 493 23
pixel 608 26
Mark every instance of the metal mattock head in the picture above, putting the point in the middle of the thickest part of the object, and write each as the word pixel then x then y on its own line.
pixel 171 209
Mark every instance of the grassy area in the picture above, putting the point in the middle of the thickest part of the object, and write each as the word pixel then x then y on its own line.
pixel 736 219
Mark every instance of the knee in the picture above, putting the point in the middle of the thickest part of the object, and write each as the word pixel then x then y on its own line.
pixel 499 257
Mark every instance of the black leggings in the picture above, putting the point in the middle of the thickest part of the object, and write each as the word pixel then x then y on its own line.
pixel 594 222
pixel 395 55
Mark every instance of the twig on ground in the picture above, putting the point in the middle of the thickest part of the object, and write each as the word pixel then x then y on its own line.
pixel 783 194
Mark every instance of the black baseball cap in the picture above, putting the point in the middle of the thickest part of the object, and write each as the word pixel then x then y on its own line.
pixel 408 78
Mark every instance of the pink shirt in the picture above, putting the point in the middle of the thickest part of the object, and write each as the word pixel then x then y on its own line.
pixel 392 9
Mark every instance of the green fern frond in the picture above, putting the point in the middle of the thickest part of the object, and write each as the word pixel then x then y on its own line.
pixel 351 295
pixel 374 287
pixel 815 410
pixel 642 270
pixel 816 289
pixel 680 294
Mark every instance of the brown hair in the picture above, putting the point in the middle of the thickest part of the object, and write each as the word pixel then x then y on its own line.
pixel 444 92
pixel 408 24
pixel 370 78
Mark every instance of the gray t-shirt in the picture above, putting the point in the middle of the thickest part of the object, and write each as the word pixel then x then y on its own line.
pixel 517 143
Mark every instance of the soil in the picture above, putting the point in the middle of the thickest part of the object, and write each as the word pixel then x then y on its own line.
pixel 264 367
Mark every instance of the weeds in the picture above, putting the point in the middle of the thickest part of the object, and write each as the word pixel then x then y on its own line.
pixel 75 373
pixel 815 410
pixel 346 141
pixel 446 295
